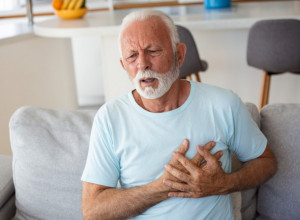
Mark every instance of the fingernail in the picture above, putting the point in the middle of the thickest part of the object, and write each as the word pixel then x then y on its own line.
pixel 185 142
pixel 214 144
pixel 174 154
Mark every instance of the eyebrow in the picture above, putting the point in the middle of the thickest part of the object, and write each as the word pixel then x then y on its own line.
pixel 146 48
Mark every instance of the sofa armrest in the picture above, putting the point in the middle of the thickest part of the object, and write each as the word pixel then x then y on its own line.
pixel 278 198
pixel 7 206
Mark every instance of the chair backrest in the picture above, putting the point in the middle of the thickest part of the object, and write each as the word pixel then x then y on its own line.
pixel 192 63
pixel 274 46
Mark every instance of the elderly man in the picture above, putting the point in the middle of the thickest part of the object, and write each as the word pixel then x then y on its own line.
pixel 150 139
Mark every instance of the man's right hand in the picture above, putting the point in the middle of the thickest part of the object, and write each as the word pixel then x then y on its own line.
pixel 197 160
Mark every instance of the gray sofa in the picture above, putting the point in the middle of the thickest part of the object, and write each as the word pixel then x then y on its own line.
pixel 42 181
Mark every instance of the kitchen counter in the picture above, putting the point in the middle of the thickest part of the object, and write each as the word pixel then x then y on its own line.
pixel 240 15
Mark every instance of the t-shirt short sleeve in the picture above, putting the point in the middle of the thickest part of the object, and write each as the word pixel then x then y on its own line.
pixel 247 141
pixel 102 166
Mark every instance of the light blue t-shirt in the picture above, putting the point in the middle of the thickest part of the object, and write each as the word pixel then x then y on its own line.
pixel 132 145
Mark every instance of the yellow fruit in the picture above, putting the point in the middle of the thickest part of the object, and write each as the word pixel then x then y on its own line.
pixel 56 4
pixel 78 4
pixel 71 14
pixel 72 5
pixel 65 4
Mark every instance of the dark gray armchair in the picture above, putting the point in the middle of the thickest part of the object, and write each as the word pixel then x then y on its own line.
pixel 192 63
pixel 274 47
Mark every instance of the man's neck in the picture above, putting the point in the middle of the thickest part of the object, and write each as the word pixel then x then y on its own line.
pixel 174 98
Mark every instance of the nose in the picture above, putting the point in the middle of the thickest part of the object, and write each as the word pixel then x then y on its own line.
pixel 143 62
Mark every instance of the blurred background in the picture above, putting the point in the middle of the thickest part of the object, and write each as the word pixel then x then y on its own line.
pixel 63 64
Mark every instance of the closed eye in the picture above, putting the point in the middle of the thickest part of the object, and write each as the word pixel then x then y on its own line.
pixel 154 52
pixel 131 58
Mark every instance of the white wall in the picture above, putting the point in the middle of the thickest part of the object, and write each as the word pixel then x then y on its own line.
pixel 87 68
pixel 225 51
pixel 34 71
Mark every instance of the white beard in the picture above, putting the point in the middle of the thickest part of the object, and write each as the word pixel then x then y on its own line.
pixel 165 81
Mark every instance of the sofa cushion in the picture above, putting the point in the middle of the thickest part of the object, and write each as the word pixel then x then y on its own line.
pixel 49 152
pixel 6 180
pixel 279 198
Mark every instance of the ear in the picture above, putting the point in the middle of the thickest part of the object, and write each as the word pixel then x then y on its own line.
pixel 181 51
pixel 122 64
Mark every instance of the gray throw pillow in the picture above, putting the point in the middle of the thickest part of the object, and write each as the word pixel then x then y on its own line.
pixel 49 153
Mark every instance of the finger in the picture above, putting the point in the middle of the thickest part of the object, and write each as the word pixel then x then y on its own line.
pixel 204 164
pixel 208 157
pixel 197 159
pixel 209 146
pixel 218 155
pixel 177 173
pixel 186 163
pixel 176 185
pixel 184 195
pixel 183 148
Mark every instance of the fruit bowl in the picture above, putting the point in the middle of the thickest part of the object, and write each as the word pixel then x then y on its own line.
pixel 71 14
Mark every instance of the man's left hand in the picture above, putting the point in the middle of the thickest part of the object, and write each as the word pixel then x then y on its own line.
pixel 204 180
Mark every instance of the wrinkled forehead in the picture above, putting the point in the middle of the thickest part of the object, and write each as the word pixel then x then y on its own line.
pixel 145 31
pixel 152 24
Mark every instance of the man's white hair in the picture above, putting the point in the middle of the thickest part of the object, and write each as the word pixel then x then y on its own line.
pixel 146 14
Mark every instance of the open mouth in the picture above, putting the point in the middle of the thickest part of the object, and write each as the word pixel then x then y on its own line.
pixel 147 80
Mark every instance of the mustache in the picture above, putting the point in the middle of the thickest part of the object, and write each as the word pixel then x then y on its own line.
pixel 146 74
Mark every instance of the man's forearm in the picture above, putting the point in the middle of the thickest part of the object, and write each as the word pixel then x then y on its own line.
pixel 114 203
pixel 253 173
